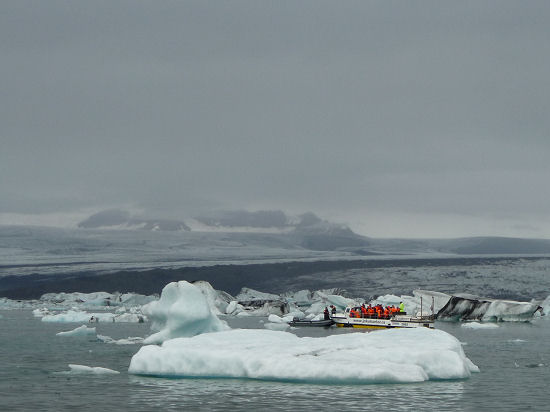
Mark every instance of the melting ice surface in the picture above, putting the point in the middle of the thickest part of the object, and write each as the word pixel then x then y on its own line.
pixel 400 355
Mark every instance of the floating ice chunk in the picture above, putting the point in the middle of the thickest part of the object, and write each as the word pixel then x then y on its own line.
pixel 81 316
pixel 399 355
pixel 182 310
pixel 387 300
pixel 262 304
pixel 277 323
pixel 295 314
pixel 247 294
pixel 90 299
pixel 134 299
pixel 472 308
pixel 94 370
pixel 77 316
pixel 276 326
pixel 132 340
pixel 130 318
pixel 477 325
pixel 7 304
pixel 243 314
pixel 274 319
pixel 506 310
pixel 234 308
pixel 95 299
pixel 40 312
pixel 301 298
pixel 80 331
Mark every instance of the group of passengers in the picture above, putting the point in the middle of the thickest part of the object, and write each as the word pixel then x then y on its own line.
pixel 376 311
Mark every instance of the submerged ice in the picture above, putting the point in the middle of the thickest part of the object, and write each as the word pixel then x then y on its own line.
pixel 405 355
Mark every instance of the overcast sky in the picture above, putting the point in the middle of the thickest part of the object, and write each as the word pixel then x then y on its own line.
pixel 399 118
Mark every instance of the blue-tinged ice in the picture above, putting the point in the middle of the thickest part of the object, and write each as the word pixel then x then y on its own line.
pixel 182 310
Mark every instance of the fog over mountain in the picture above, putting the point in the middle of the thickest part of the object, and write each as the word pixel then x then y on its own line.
pixel 311 232
pixel 398 119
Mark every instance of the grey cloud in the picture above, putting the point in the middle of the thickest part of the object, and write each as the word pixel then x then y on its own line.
pixel 437 107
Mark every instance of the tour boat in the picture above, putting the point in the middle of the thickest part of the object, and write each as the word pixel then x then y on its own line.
pixel 398 320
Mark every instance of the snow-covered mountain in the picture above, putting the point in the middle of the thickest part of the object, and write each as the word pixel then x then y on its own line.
pixel 121 219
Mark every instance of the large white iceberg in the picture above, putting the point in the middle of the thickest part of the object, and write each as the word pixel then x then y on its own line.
pixel 182 310
pixel 400 355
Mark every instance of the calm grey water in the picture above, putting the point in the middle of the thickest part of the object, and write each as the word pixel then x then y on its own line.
pixel 514 362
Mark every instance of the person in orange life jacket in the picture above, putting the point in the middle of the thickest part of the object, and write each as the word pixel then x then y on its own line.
pixel 370 311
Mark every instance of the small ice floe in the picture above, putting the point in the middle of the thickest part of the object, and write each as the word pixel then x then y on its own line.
pixel 132 340
pixel 391 356
pixel 516 341
pixel 276 323
pixel 72 316
pixel 79 332
pixel 478 325
pixel 90 370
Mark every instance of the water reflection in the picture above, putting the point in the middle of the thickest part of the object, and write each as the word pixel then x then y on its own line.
pixel 236 394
